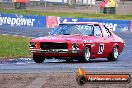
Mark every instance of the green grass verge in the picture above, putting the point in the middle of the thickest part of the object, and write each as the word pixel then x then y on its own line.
pixel 63 14
pixel 14 46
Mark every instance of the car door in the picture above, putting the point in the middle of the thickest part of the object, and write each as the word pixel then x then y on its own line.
pixel 108 41
pixel 98 49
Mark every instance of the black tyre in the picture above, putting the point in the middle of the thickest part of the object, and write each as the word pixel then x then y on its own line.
pixel 38 59
pixel 69 60
pixel 114 54
pixel 81 80
pixel 86 55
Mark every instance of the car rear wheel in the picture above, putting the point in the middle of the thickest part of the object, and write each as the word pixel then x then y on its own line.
pixel 86 55
pixel 38 59
pixel 114 55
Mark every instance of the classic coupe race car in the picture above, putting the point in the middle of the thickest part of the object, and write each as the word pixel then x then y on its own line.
pixel 77 40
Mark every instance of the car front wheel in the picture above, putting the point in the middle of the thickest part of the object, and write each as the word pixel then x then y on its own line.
pixel 38 59
pixel 114 55
pixel 86 54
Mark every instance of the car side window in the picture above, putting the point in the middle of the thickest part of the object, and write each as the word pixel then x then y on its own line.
pixel 85 29
pixel 105 31
pixel 97 31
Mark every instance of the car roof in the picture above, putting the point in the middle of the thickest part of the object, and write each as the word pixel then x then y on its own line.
pixel 80 23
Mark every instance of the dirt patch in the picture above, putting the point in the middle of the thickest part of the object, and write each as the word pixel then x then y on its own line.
pixel 16 80
pixel 49 80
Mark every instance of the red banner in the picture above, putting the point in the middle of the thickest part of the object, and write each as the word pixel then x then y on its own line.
pixel 21 0
pixel 51 21
pixel 131 26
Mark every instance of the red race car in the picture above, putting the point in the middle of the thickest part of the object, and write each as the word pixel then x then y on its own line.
pixel 77 40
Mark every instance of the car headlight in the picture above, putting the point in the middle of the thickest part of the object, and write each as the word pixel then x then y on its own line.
pixel 32 45
pixel 75 46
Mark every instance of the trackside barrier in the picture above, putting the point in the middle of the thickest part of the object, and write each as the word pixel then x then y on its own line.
pixel 23 25
pixel 131 26
pixel 21 20
pixel 35 26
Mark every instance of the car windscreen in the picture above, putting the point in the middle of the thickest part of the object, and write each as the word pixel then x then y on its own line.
pixel 70 29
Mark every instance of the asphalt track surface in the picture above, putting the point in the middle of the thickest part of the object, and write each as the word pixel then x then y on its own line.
pixel 22 65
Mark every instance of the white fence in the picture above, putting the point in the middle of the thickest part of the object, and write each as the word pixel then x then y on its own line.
pixel 80 2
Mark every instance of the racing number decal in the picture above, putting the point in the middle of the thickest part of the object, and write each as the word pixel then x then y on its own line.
pixel 101 48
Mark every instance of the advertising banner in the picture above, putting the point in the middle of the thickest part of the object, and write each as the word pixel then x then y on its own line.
pixel 51 21
pixel 21 20
pixel 13 20
pixel 20 0
pixel 6 0
pixel 131 26
pixel 114 25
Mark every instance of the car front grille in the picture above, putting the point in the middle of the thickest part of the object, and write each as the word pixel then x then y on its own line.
pixel 51 45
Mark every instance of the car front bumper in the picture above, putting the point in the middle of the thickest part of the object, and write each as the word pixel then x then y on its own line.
pixel 55 51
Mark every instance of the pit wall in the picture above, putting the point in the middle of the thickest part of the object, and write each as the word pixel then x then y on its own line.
pixel 30 22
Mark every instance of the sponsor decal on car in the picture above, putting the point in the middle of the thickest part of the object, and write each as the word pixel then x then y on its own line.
pixel 87 41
